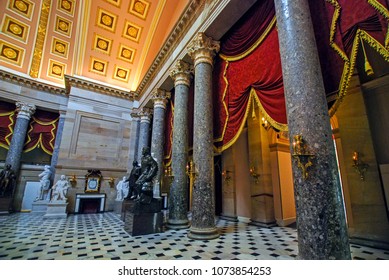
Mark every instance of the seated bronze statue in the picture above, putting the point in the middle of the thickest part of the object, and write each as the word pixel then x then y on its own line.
pixel 148 170
pixel 7 181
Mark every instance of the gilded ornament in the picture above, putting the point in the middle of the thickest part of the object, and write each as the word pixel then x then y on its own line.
pixel 132 31
pixel 102 44
pixel 98 66
pixel 59 47
pixel 10 53
pixel 15 29
pixel 139 7
pixel 121 73
pixel 126 53
pixel 21 6
pixel 106 20
pixel 63 26
pixel 66 5
pixel 57 70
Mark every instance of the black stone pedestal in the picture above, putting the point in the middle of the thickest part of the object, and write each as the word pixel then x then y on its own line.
pixel 142 219
pixel 5 205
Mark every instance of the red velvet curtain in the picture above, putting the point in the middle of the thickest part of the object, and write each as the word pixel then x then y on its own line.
pixel 42 131
pixel 169 131
pixel 7 123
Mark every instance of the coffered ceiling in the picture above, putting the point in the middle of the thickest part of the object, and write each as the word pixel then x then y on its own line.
pixel 112 42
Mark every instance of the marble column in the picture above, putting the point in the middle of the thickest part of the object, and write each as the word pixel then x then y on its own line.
pixel 202 49
pixel 160 98
pixel 134 139
pixel 25 111
pixel 321 224
pixel 144 130
pixel 178 195
pixel 57 144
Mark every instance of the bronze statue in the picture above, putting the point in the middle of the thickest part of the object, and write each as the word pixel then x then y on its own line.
pixel 7 181
pixel 149 169
pixel 134 190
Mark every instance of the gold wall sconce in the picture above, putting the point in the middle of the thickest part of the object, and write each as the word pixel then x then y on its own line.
pixel 254 174
pixel 301 154
pixel 226 176
pixel 111 182
pixel 191 170
pixel 73 180
pixel 265 123
pixel 359 166
pixel 169 175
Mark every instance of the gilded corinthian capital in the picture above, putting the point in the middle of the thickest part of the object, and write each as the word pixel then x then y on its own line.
pixel 160 97
pixel 181 73
pixel 202 49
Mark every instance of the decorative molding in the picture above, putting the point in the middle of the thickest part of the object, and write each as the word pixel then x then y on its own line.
pixel 202 49
pixel 182 26
pixel 121 74
pixel 63 26
pixel 139 8
pixel 59 47
pixel 40 39
pixel 106 20
pixel 145 114
pixel 98 66
pixel 11 53
pixel 15 29
pixel 126 53
pixel 56 69
pixel 160 98
pixel 102 44
pixel 30 83
pixel 182 73
pixel 24 8
pixel 66 6
pixel 132 31
pixel 91 86
pixel 114 2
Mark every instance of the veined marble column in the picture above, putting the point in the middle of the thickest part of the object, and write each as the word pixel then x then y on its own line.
pixel 144 130
pixel 57 144
pixel 160 98
pixel 25 111
pixel 134 139
pixel 321 224
pixel 202 49
pixel 178 195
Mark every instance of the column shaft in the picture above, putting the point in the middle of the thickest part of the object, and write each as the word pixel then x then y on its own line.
pixel 134 141
pixel 57 144
pixel 321 224
pixel 144 131
pixel 203 206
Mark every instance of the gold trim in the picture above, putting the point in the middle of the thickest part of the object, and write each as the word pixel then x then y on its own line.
pixel 106 20
pixel 385 13
pixel 15 29
pixel 59 47
pixel 115 3
pixel 98 66
pixel 133 6
pixel 11 53
pixel 56 70
pixel 130 51
pixel 102 44
pixel 40 39
pixel 224 104
pixel 120 71
pixel 66 6
pixel 25 11
pixel 254 46
pixel 63 26
pixel 132 31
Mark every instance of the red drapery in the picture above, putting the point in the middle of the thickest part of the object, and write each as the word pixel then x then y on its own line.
pixel 7 122
pixel 169 131
pixel 249 69
pixel 42 131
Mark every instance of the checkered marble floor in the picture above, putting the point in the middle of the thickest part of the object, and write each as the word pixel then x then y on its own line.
pixel 101 236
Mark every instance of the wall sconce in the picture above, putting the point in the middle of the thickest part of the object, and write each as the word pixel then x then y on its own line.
pixel 111 182
pixel 265 123
pixel 73 180
pixel 360 166
pixel 191 170
pixel 226 176
pixel 169 175
pixel 301 154
pixel 254 174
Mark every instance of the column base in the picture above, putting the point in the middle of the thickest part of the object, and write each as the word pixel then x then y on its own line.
pixel 262 224
pixel 229 218
pixel 177 224
pixel 203 233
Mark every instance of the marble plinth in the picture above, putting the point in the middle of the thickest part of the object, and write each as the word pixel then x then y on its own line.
pixel 39 206
pixel 142 219
pixel 117 207
pixel 5 205
pixel 56 210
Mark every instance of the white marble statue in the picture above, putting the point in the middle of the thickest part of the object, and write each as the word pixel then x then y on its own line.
pixel 44 178
pixel 122 189
pixel 60 189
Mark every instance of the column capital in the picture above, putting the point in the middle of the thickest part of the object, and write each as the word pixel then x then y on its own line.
pixel 135 114
pixel 202 49
pixel 160 97
pixel 181 73
pixel 25 111
pixel 145 115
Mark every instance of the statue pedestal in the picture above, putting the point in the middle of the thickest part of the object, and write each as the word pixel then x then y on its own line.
pixel 56 209
pixel 39 206
pixel 117 207
pixel 5 205
pixel 142 219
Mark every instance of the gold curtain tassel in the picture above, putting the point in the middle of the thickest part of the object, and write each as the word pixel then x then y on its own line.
pixel 253 115
pixel 368 69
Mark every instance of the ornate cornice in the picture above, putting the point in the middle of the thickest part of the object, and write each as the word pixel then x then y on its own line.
pixel 25 111
pixel 71 81
pixel 26 82
pixel 160 97
pixel 202 49
pixel 181 28
pixel 181 73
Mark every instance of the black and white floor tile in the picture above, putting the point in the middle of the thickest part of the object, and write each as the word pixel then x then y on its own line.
pixel 101 236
